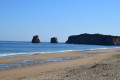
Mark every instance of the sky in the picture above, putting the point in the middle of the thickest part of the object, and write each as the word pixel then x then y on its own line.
pixel 20 20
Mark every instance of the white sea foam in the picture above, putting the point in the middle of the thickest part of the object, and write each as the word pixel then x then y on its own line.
pixel 36 53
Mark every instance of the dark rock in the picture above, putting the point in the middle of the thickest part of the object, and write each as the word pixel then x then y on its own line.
pixel 98 65
pixel 94 39
pixel 35 39
pixel 54 40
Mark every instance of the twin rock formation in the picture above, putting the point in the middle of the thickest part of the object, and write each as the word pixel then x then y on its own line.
pixel 37 40
pixel 92 39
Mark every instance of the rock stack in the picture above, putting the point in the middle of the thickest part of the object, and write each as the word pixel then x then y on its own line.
pixel 36 39
pixel 94 39
pixel 54 40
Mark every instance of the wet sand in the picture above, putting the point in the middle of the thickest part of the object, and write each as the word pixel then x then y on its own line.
pixel 102 65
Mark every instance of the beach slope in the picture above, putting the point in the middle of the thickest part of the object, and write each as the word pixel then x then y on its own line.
pixel 102 65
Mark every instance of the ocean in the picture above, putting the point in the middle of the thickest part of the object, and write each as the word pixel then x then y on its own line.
pixel 24 48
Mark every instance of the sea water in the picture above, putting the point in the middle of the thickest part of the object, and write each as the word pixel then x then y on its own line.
pixel 23 48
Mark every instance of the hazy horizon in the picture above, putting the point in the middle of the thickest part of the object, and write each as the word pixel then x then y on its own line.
pixel 59 41
pixel 20 20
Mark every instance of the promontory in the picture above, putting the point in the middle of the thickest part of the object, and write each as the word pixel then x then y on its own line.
pixel 94 39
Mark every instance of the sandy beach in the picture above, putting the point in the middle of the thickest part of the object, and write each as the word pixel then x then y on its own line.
pixel 59 40
pixel 84 65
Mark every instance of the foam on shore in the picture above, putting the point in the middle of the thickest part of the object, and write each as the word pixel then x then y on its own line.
pixel 6 55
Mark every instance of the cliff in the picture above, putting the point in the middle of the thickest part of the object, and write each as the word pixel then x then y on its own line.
pixel 94 39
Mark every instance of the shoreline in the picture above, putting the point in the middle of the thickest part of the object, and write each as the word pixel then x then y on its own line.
pixel 53 55
pixel 31 60
pixel 11 55
pixel 40 70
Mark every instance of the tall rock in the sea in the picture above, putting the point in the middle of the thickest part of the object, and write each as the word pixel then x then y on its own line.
pixel 94 39
pixel 54 40
pixel 36 39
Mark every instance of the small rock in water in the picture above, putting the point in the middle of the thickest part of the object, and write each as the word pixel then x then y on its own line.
pixel 36 39
pixel 54 40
